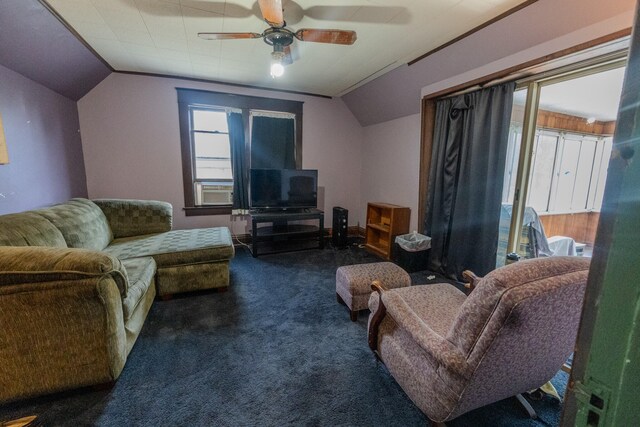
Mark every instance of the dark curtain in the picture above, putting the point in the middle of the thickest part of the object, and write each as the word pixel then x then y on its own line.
pixel 465 181
pixel 238 166
pixel 272 143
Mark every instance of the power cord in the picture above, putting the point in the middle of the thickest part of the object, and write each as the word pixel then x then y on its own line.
pixel 235 236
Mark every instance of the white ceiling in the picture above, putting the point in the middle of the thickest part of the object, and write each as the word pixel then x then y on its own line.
pixel 160 36
pixel 596 95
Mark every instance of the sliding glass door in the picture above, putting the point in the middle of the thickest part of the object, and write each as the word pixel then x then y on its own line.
pixel 559 149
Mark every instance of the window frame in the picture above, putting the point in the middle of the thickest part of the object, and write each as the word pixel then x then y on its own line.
pixel 194 98
pixel 194 131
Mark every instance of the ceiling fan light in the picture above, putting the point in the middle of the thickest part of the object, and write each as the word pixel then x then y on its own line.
pixel 277 69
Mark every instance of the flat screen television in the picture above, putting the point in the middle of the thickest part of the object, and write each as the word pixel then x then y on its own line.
pixel 283 188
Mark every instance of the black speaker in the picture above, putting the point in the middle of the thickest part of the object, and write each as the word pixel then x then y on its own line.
pixel 340 228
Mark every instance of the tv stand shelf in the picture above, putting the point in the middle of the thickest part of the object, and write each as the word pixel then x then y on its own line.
pixel 281 236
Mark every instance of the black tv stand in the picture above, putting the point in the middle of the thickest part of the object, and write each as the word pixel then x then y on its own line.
pixel 282 236
pixel 281 211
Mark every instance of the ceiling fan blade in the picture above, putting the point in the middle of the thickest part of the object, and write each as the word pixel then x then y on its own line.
pixel 272 12
pixel 326 36
pixel 228 36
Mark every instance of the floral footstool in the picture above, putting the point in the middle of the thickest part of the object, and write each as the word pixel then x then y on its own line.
pixel 353 283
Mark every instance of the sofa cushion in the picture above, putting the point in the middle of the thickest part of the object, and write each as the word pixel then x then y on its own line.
pixel 177 247
pixel 29 229
pixel 81 222
pixel 35 264
pixel 136 217
pixel 141 272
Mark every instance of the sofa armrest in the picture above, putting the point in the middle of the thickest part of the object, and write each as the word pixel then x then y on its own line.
pixel 136 217
pixel 438 347
pixel 59 335
pixel 35 264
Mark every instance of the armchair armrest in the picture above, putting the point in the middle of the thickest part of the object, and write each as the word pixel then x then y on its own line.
pixel 438 347
pixel 471 280
pixel 36 264
pixel 377 317
pixel 136 217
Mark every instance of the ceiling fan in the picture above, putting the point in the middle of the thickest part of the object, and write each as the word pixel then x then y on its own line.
pixel 281 38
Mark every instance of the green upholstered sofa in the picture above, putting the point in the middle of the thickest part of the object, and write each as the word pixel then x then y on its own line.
pixel 78 279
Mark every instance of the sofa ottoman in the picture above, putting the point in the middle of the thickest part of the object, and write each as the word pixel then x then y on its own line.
pixel 353 283
pixel 187 260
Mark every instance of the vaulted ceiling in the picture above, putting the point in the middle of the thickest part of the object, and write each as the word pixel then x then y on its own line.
pixel 38 46
pixel 160 36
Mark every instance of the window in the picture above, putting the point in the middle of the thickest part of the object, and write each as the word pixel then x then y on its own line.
pixel 272 140
pixel 212 157
pixel 542 171
pixel 222 136
pixel 567 174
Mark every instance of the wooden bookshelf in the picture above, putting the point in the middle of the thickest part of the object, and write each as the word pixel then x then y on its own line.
pixel 384 223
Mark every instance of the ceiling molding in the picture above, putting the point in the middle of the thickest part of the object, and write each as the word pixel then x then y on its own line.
pixel 75 33
pixel 195 79
pixel 503 75
pixel 475 30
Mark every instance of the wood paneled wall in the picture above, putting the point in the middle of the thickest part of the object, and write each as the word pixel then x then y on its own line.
pixel 580 226
pixel 551 120
pixel 566 122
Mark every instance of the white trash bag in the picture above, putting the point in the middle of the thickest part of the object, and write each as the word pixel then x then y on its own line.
pixel 413 242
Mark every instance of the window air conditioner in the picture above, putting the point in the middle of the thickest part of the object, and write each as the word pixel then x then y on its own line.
pixel 214 194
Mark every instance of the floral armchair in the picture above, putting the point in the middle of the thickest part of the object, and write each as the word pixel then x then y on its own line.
pixel 453 353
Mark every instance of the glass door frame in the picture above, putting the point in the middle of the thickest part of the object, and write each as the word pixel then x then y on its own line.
pixel 534 85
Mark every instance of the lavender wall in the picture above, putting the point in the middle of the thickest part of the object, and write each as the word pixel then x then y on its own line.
pixel 45 151
pixel 131 145
pixel 544 27
pixel 565 24
pixel 130 127
pixel 391 153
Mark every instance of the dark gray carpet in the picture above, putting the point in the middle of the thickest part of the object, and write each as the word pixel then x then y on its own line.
pixel 276 349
